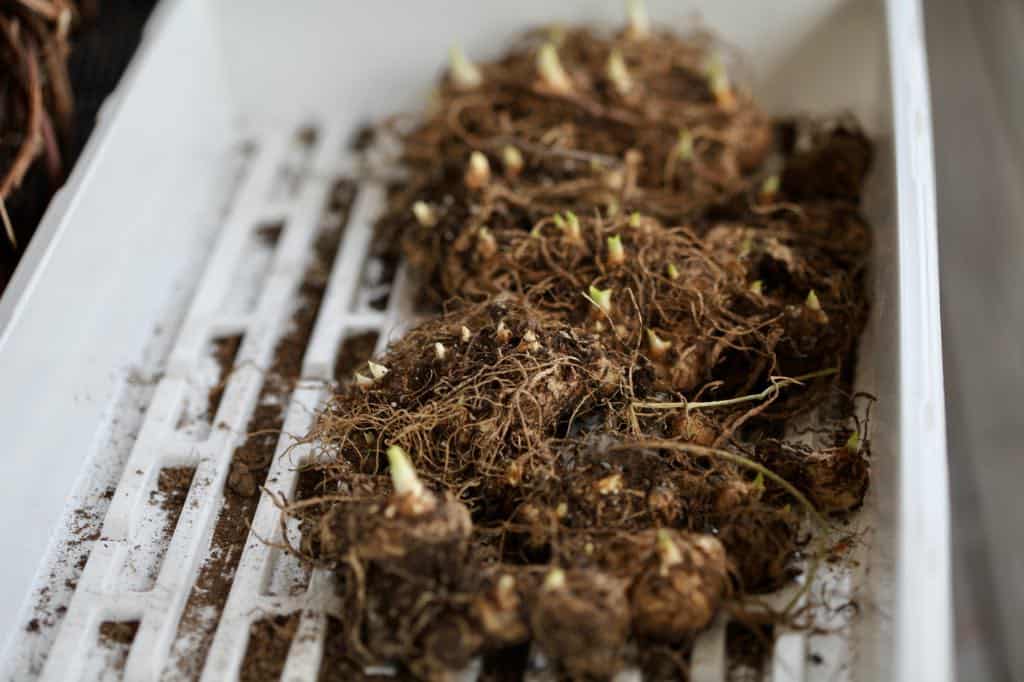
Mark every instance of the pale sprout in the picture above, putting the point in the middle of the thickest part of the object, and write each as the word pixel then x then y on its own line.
pixel 551 71
pixel 658 347
pixel 618 74
pixel 465 74
pixel 424 213
pixel 639 23
pixel 478 172
pixel 554 580
pixel 377 371
pixel 512 158
pixel 602 298
pixel 403 475
pixel 616 254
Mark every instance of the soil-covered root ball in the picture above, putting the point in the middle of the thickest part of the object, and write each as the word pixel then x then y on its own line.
pixel 679 590
pixel 581 121
pixel 639 285
pixel 812 305
pixel 605 489
pixel 405 562
pixel 416 530
pixel 475 396
pixel 760 542
pixel 834 479
pixel 581 620
pixel 601 488
pixel 831 165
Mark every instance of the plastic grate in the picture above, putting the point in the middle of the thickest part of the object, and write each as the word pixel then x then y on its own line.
pixel 288 183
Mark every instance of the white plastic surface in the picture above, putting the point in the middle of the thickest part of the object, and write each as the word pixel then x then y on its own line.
pixel 155 202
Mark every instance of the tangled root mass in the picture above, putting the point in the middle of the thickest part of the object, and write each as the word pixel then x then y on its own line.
pixel 619 270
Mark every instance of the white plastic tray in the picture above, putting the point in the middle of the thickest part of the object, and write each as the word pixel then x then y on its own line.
pixel 103 328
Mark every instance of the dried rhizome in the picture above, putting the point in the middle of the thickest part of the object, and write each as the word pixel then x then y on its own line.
pixel 645 282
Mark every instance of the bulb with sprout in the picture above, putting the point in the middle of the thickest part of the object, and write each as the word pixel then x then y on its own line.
pixel 601 299
pixel 478 171
pixel 464 73
pixel 500 609
pixel 553 75
pixel 405 481
pixel 694 426
pixel 377 371
pixel 570 225
pixel 616 254
pixel 424 214
pixel 512 159
pixel 657 347
pixel 834 479
pixel 719 84
pixel 416 518
pixel 502 333
pixel 812 305
pixel 530 342
pixel 678 592
pixel 581 619
pixel 410 542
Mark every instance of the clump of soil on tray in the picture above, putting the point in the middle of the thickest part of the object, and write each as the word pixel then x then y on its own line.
pixel 644 281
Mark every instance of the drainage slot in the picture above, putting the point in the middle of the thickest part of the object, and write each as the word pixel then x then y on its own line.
pixel 269 234
pixel 115 639
pixel 156 529
pixel 334 219
pixel 269 640
pixel 202 400
pixel 337 666
pixel 295 166
pixel 213 585
pixel 748 649
pixel 311 483
pixel 507 665
pixel 251 269
pixel 376 283
pixel 353 352
pixel 225 350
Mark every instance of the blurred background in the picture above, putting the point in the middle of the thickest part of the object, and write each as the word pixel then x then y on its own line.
pixel 975 53
pixel 976 50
